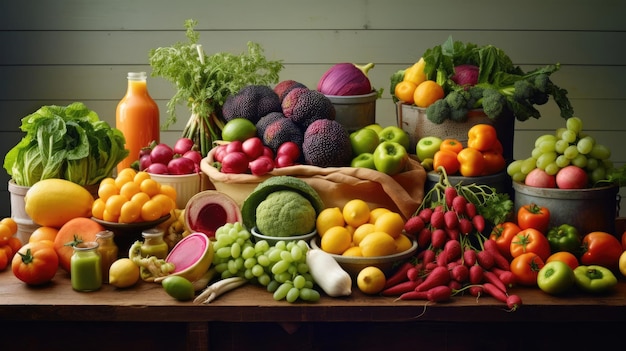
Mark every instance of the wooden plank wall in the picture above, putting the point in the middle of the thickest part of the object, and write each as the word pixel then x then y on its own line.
pixel 57 52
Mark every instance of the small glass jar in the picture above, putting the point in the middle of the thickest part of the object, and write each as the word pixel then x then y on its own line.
pixel 108 252
pixel 86 267
pixel 153 244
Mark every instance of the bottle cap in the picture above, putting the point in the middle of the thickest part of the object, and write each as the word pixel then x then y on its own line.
pixel 137 75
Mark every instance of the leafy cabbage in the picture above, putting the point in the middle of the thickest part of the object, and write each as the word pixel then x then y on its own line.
pixel 66 142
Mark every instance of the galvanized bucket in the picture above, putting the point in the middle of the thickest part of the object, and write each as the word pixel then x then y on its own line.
pixel 589 210
pixel 356 111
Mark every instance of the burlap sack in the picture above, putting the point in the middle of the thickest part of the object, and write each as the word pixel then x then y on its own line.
pixel 402 193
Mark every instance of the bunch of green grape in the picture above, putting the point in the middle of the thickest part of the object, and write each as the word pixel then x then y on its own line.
pixel 568 146
pixel 281 268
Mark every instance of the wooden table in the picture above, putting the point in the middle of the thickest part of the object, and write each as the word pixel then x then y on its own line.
pixel 56 317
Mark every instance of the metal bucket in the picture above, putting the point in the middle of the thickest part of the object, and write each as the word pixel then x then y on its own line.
pixel 589 210
pixel 356 111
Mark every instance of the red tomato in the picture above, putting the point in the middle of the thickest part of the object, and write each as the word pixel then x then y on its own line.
pixel 525 268
pixel 503 234
pixel 533 216
pixel 530 240
pixel 35 263
pixel 602 249
pixel 569 258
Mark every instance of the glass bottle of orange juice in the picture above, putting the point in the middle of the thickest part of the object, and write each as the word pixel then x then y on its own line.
pixel 137 117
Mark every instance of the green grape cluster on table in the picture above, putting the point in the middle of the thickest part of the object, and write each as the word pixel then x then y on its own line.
pixel 569 145
pixel 281 267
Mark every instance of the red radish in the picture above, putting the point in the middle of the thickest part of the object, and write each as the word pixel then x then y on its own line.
pixel 475 290
pixel 492 278
pixel 425 214
pixel 144 162
pixel 459 204
pixel 438 238
pixel 479 223
pixel 181 165
pixel 460 273
pixel 506 277
pixel 414 295
pixel 437 277
pixel 194 155
pixel 476 274
pixel 485 259
pixel 401 288
pixel 267 151
pixel 452 250
pixel 414 225
pixel 235 162
pixel 494 292
pixel 289 149
pixel 430 266
pixel 499 260
pixel 453 233
pixel 439 293
pixel 428 256
pixel 157 168
pixel 234 146
pixel 436 220
pixel 261 165
pixel 182 145
pixel 455 284
pixel 470 210
pixel 220 152
pixel 400 275
pixel 465 226
pixel 449 194
pixel 469 257
pixel 424 237
pixel 252 147
pixel 513 302
pixel 161 153
pixel 413 274
pixel 451 219
pixel 283 161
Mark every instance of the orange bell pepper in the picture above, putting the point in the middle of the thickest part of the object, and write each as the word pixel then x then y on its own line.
pixel 494 162
pixel 451 144
pixel 446 159
pixel 481 137
pixel 471 162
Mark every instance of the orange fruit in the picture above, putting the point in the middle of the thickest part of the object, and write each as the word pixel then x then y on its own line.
pixel 140 176
pixel 5 234
pixel 151 210
pixel 168 190
pixel 130 212
pixel 10 222
pixel 336 240
pixel 150 187
pixel 427 93
pixel 166 203
pixel 113 205
pixel 129 189
pixel 106 190
pixel 127 173
pixel 97 209
pixel 405 91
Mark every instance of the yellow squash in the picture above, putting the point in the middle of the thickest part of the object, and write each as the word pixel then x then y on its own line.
pixel 53 202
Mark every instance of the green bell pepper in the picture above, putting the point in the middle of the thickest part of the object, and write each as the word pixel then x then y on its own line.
pixel 594 278
pixel 564 238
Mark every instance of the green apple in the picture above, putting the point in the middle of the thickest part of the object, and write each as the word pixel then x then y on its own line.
pixel 375 126
pixel 395 134
pixel 427 147
pixel 363 160
pixel 390 157
pixel 364 140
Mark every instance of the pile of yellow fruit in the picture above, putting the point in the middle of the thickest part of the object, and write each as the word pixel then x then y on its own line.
pixel 355 230
pixel 133 196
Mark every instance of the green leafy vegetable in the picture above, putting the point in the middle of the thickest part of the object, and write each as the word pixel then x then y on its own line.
pixel 204 82
pixel 67 142
pixel 502 87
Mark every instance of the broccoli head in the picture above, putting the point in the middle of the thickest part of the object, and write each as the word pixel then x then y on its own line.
pixel 493 102
pixel 285 213
pixel 438 111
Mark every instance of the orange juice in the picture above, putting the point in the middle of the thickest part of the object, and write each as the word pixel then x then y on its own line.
pixel 137 117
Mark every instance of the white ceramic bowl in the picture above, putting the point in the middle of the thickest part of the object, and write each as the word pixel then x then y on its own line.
pixel 272 240
pixel 186 185
pixel 353 265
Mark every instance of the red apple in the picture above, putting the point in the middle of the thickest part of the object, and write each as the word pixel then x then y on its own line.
pixel 540 179
pixel 572 177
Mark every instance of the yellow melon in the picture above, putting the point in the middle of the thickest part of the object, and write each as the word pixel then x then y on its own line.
pixel 53 202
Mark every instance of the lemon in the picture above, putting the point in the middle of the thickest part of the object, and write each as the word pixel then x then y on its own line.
pixel 390 223
pixel 371 280
pixel 123 273
pixel 403 243
pixel 356 212
pixel 375 213
pixel 336 240
pixel 353 251
pixel 378 244
pixel 328 218
pixel 52 202
pixel 361 232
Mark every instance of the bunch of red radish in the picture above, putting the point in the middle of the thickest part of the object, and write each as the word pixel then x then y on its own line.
pixel 449 264
pixel 251 156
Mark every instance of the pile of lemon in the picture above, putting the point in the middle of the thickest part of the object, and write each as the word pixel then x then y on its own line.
pixel 133 196
pixel 358 231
